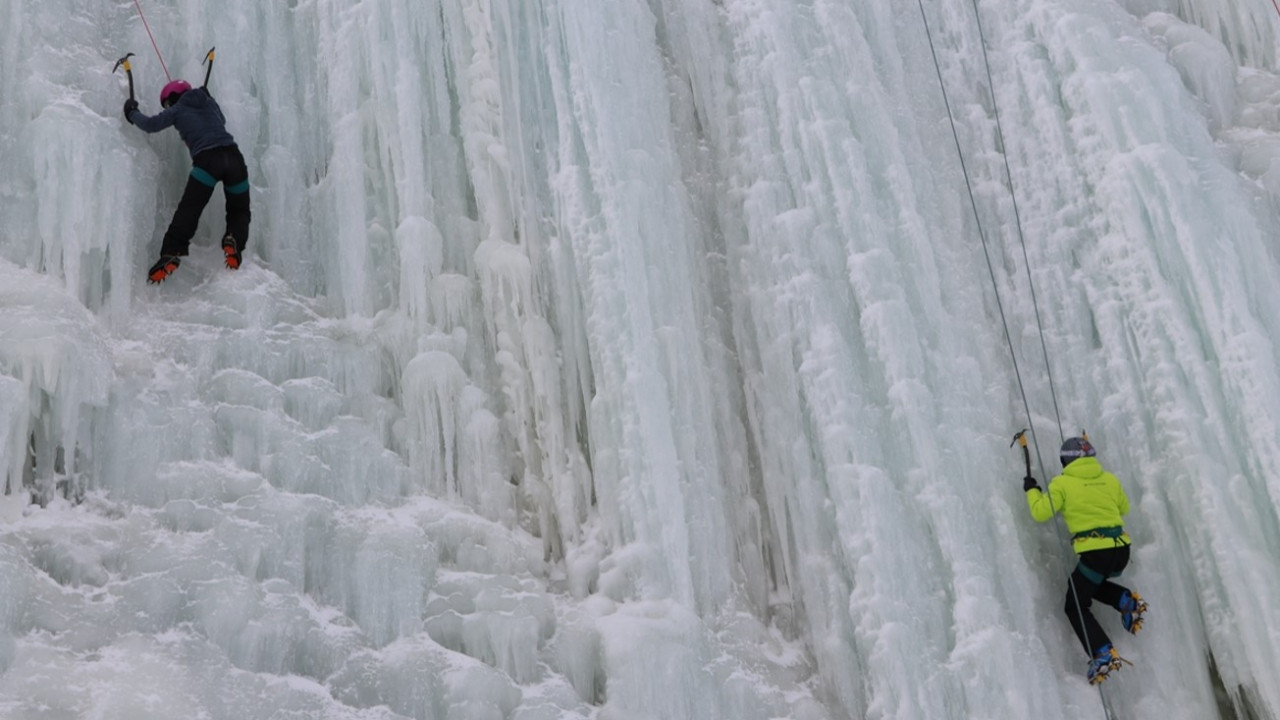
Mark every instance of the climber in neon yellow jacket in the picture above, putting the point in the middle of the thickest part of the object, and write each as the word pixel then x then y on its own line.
pixel 1092 503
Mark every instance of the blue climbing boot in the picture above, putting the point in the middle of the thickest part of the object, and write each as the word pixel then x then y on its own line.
pixel 1132 607
pixel 1102 664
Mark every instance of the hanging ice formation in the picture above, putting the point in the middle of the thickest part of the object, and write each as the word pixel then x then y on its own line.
pixel 634 360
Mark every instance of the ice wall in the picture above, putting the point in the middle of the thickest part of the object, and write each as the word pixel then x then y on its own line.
pixel 637 360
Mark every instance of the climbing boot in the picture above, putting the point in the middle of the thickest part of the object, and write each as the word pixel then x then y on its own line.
pixel 1132 608
pixel 231 251
pixel 1103 663
pixel 163 268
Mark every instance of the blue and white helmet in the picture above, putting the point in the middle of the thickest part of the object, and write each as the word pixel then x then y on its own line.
pixel 1074 449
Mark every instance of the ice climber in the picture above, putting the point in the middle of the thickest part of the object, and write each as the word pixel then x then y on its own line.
pixel 1092 502
pixel 214 158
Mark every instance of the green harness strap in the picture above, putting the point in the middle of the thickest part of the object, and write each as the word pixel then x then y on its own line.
pixel 204 178
pixel 1115 533
pixel 1092 575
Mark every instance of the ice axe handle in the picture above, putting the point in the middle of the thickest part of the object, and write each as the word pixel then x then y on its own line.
pixel 208 58
pixel 1021 438
pixel 128 71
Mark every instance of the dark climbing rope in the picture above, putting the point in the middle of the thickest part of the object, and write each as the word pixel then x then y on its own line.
pixel 1017 217
pixel 991 270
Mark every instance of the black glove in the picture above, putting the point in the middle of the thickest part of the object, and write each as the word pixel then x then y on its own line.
pixel 129 106
pixel 1029 483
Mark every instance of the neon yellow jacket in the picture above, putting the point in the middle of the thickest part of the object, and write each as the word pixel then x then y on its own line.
pixel 1091 502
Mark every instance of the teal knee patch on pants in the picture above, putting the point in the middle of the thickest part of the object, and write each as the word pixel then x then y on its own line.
pixel 239 188
pixel 203 177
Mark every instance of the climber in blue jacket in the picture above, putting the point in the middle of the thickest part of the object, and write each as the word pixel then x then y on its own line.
pixel 214 158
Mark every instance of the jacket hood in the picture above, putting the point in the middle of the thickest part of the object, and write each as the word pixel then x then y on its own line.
pixel 195 97
pixel 1085 467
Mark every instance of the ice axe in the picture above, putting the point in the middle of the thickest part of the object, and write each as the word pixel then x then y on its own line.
pixel 128 71
pixel 208 58
pixel 1021 437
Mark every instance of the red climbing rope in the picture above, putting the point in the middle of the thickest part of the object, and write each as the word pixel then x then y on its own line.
pixel 157 48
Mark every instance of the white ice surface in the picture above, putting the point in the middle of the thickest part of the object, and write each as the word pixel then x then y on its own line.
pixel 637 360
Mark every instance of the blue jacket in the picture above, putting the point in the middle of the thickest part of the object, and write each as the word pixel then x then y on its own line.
pixel 198 118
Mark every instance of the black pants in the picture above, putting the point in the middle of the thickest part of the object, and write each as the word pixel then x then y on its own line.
pixel 225 165
pixel 1084 588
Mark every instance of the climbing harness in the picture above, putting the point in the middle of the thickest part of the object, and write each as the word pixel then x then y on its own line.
pixel 1113 533
pixel 1116 659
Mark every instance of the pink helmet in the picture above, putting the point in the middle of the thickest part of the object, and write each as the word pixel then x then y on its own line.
pixel 172 90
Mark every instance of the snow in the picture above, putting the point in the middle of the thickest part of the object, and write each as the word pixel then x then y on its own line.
pixel 638 360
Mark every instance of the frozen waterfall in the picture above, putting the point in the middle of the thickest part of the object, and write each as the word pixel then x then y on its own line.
pixel 625 360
